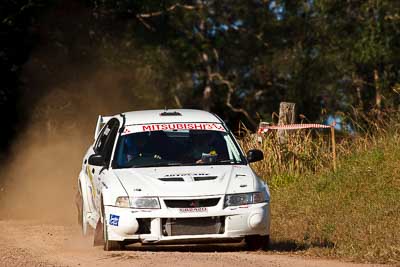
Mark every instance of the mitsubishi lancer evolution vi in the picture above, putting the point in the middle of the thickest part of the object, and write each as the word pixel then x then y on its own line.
pixel 171 177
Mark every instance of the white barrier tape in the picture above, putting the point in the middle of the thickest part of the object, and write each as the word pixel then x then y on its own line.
pixel 265 128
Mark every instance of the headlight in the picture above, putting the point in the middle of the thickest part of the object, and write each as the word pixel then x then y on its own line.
pixel 145 202
pixel 138 202
pixel 245 198
pixel 122 202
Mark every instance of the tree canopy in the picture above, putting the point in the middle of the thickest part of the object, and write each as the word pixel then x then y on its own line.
pixel 236 58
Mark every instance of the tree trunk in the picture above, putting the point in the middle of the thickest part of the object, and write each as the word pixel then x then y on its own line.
pixel 378 90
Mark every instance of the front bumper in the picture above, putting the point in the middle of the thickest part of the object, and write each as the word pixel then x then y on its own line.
pixel 237 222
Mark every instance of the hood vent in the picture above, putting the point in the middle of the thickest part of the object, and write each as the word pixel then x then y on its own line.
pixel 204 178
pixel 172 179
pixel 181 179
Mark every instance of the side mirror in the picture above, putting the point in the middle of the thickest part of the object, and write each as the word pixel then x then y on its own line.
pixel 96 160
pixel 254 155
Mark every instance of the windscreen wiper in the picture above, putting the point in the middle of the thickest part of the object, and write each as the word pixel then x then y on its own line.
pixel 221 162
pixel 158 164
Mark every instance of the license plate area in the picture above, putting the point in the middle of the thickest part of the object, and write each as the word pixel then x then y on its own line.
pixel 192 210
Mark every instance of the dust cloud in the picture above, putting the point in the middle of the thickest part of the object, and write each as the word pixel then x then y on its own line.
pixel 41 172
pixel 77 71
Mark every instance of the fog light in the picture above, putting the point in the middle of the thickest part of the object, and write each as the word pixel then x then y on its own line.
pixel 256 220
pixel 127 226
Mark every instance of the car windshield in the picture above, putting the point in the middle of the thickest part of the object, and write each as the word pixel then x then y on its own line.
pixel 176 148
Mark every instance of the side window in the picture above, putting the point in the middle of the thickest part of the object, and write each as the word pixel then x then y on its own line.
pixel 102 138
pixel 105 141
pixel 107 150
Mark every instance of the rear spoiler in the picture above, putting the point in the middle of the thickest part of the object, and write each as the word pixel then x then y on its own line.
pixel 101 121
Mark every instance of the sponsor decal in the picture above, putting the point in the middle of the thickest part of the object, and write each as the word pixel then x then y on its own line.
pixel 193 210
pixel 114 220
pixel 107 131
pixel 173 126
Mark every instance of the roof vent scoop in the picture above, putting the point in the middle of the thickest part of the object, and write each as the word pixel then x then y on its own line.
pixel 170 113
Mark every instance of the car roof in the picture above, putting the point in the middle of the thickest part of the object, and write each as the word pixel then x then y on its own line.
pixel 169 116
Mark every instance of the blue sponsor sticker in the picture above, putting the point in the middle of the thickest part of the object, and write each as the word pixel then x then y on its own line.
pixel 114 219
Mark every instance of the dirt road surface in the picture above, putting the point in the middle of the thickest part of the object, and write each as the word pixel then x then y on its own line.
pixel 35 243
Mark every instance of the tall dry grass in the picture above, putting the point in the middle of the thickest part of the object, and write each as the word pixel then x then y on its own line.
pixel 302 152
pixel 352 214
pixel 309 151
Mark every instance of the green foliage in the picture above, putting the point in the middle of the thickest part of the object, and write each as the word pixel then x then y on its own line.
pixel 324 55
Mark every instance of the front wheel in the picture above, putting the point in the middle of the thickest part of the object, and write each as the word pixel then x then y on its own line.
pixel 108 244
pixel 257 242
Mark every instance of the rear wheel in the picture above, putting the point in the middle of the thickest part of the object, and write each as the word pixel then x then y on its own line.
pixel 257 242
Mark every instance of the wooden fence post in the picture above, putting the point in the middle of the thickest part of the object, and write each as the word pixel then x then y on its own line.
pixel 287 115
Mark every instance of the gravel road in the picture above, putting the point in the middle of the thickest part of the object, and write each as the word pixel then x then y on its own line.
pixel 35 243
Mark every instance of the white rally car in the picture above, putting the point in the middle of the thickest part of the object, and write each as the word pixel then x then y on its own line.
pixel 171 177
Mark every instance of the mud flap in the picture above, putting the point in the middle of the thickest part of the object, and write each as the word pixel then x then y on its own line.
pixel 98 234
pixel 78 203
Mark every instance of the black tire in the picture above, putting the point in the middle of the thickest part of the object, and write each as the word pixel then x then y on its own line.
pixel 110 245
pixel 257 242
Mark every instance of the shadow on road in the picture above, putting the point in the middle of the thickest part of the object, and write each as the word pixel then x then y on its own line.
pixel 189 248
pixel 293 246
pixel 275 246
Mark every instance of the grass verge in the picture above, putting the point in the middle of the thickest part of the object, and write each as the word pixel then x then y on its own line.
pixel 352 214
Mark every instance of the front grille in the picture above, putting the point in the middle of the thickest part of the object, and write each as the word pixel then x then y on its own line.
pixel 193 226
pixel 191 203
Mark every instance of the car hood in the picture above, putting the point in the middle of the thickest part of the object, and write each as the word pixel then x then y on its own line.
pixel 187 180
